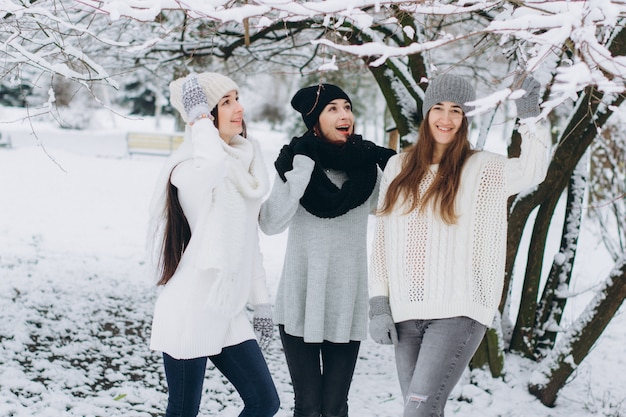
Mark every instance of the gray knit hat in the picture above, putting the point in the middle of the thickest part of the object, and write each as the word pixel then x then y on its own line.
pixel 449 87
pixel 215 86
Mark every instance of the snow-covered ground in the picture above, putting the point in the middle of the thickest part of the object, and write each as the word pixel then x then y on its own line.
pixel 76 297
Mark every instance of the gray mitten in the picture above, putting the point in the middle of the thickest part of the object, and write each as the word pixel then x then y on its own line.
pixel 263 324
pixel 194 99
pixel 528 104
pixel 382 326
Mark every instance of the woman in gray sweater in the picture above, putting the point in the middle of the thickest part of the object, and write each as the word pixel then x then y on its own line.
pixel 326 186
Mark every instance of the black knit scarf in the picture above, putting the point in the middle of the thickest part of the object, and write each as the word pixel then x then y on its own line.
pixel 357 158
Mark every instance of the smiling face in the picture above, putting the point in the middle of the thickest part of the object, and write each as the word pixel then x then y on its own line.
pixel 229 116
pixel 336 122
pixel 444 121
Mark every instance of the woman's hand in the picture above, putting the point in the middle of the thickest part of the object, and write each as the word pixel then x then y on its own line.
pixel 194 99
pixel 528 104
pixel 263 325
pixel 306 145
pixel 382 326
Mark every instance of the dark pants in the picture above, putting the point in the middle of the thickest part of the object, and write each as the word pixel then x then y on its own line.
pixel 320 389
pixel 242 364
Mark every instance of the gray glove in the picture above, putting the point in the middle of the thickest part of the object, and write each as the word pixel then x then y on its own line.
pixel 194 99
pixel 382 326
pixel 528 104
pixel 263 325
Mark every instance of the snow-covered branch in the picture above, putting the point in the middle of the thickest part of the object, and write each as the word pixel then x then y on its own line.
pixel 230 11
pixel 541 28
pixel 49 34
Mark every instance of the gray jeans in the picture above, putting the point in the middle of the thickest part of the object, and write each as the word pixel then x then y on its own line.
pixel 431 356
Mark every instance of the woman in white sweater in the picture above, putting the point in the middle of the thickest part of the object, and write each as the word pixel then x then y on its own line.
pixel 206 206
pixel 437 264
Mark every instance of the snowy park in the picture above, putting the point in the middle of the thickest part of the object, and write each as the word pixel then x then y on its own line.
pixel 77 296
pixel 80 78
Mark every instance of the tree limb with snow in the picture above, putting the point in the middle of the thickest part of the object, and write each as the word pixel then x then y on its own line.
pixel 577 50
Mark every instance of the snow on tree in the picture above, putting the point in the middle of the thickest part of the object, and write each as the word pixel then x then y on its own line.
pixel 577 50
pixel 607 195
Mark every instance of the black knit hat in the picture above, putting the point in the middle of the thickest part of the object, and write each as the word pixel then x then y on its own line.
pixel 310 101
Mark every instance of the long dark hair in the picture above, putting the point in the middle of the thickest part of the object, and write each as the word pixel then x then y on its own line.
pixel 176 235
pixel 442 192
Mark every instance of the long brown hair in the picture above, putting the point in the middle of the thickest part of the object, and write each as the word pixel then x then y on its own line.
pixel 442 192
pixel 176 235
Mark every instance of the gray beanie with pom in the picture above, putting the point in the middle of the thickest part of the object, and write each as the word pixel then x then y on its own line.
pixel 215 86
pixel 449 87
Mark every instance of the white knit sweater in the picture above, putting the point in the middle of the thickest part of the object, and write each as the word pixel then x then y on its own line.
pixel 203 306
pixel 430 269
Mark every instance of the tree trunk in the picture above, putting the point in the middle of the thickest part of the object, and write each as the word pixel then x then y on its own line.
pixel 393 86
pixel 582 335
pixel 575 139
pixel 490 353
pixel 524 332
pixel 399 90
pixel 552 305
pixel 573 144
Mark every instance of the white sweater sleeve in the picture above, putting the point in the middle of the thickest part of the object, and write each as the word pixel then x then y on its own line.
pixel 195 178
pixel 278 210
pixel 376 193
pixel 259 293
pixel 378 278
pixel 206 167
pixel 530 168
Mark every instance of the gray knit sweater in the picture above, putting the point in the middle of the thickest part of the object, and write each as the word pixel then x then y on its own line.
pixel 322 294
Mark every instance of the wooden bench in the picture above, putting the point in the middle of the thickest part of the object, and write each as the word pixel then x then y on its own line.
pixel 5 141
pixel 153 143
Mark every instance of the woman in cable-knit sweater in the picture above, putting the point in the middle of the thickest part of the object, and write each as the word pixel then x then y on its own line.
pixel 206 206
pixel 326 187
pixel 437 264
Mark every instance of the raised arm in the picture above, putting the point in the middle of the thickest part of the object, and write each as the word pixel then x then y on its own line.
pixel 530 168
pixel 195 178
pixel 280 207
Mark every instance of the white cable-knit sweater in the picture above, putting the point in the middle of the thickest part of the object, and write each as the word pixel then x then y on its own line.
pixel 430 269
pixel 220 188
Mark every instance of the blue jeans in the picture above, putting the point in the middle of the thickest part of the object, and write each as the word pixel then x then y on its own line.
pixel 318 393
pixel 242 364
pixel 431 356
